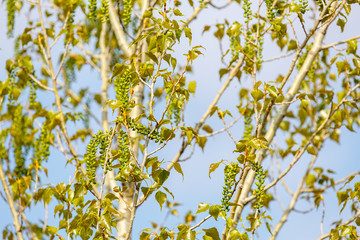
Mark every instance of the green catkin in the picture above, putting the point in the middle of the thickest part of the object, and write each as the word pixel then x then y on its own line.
pixel 99 141
pixel 10 7
pixel 260 180
pixel 18 132
pixel 42 145
pixel 126 18
pixel 122 87
pixel 3 152
pixel 230 172
pixel 235 46
pixel 90 157
pixel 69 29
pixel 69 68
pixel 320 4
pixel 143 130
pixel 32 93
pixel 304 6
pixel 104 10
pixel 248 127
pixel 104 145
pixel 92 9
pixel 175 108
pixel 270 9
pixel 247 10
pixel 259 58
pixel 124 153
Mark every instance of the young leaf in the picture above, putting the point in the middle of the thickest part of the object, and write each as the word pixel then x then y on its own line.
pixel 177 167
pixel 202 207
pixel 160 198
pixel 213 167
pixel 212 232
pixel 214 211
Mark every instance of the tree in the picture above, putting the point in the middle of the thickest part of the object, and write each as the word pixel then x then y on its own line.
pixel 144 54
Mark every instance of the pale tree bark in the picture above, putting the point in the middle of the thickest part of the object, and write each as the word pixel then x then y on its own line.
pixel 10 201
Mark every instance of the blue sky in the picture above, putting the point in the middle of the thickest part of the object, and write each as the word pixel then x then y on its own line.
pixel 196 186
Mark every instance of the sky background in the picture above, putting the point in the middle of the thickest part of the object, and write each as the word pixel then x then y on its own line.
pixel 196 186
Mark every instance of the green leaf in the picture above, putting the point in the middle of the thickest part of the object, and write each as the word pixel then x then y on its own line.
pixel 192 87
pixel 346 231
pixel 144 236
pixel 223 71
pixel 201 141
pixel 202 207
pixel 147 191
pixel 213 167
pixel 257 94
pixel 167 190
pixel 207 129
pixel 220 31
pixel 268 227
pixel 206 28
pixel 214 211
pixel 173 63
pixel 342 196
pixel 357 221
pixel 51 230
pixel 111 197
pixel 341 23
pixel 310 180
pixel 212 233
pixel 177 167
pixel 311 150
pixel 160 198
pixel 80 190
pixel 188 34
pixel 285 125
pixel 162 176
pixel 241 146
pixel 234 234
pixel 259 143
pixel 272 91
pixel 117 69
pixel 15 92
pixel 152 57
pixel 292 45
pixel 177 12
pixel 58 208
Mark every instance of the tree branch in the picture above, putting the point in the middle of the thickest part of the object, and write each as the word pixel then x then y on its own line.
pixel 10 201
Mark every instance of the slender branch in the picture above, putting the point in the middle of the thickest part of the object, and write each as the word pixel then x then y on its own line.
pixel 196 12
pixel 339 42
pixel 343 224
pixel 39 83
pixel 10 201
pixel 295 196
pixel 232 74
pixel 199 223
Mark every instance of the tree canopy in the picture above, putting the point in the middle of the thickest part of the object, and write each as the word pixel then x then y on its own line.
pixel 126 96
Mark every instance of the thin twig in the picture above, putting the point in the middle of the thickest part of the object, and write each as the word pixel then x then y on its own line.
pixel 199 223
pixel 343 224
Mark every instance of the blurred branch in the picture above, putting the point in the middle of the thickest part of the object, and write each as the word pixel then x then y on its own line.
pixel 357 214
pixel 296 194
pixel 10 201
pixel 119 32
pixel 340 42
